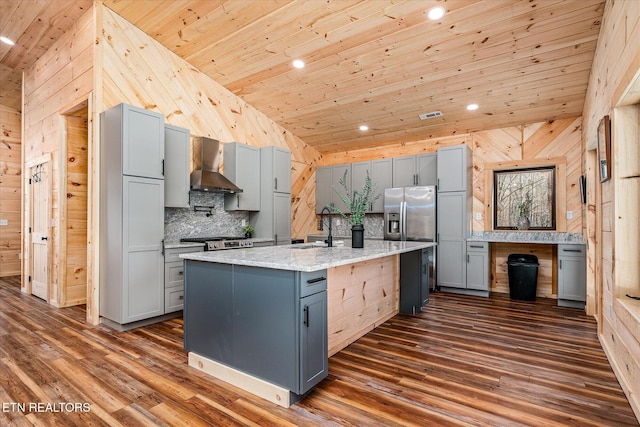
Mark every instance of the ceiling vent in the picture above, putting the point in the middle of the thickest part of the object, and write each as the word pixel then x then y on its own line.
pixel 431 115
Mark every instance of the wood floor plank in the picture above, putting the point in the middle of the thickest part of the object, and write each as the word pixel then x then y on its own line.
pixel 461 361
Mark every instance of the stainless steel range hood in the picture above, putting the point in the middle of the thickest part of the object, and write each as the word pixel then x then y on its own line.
pixel 206 176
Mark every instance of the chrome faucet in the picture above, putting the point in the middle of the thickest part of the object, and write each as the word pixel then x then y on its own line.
pixel 330 237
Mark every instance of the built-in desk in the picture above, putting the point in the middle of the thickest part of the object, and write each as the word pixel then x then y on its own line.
pixel 562 258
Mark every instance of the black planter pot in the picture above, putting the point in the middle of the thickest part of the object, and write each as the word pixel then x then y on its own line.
pixel 357 236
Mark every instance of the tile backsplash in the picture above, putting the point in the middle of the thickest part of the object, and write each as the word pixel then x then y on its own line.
pixel 373 226
pixel 185 222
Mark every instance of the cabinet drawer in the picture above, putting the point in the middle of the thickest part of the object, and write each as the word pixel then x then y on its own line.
pixel 172 255
pixel 478 246
pixel 572 250
pixel 173 299
pixel 173 274
pixel 312 282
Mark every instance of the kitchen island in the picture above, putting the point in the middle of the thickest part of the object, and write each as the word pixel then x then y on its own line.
pixel 267 319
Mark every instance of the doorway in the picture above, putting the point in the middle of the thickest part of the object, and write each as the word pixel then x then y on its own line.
pixel 39 187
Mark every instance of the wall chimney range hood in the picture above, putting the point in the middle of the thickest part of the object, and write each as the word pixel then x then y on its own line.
pixel 206 176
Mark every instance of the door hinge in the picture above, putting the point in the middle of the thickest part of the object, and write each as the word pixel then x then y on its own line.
pixel 29 229
pixel 29 181
pixel 29 279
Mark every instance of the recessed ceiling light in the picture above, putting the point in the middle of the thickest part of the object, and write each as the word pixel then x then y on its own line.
pixel 298 63
pixel 436 13
pixel 363 127
pixel 472 107
pixel 6 40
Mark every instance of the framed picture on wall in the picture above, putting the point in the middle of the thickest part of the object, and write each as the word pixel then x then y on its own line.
pixel 604 148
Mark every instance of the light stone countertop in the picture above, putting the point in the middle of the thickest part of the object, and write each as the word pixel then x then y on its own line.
pixel 306 256
pixel 544 237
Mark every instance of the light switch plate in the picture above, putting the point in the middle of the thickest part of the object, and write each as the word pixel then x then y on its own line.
pixel 569 214
pixel 4 222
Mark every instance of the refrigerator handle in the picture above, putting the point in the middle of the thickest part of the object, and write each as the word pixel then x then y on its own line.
pixel 403 220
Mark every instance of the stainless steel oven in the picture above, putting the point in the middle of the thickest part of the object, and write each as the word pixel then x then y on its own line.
pixel 217 243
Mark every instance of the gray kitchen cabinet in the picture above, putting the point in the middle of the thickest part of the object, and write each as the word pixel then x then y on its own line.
pixel 327 179
pixel 131 215
pixel 242 167
pixel 275 165
pixel 409 171
pixel 324 192
pixel 455 210
pixel 478 266
pixel 452 234
pixel 572 276
pixel 337 173
pixel 415 279
pixel 454 168
pixel 176 166
pixel 290 350
pixel 273 221
pixel 381 173
pixel 174 278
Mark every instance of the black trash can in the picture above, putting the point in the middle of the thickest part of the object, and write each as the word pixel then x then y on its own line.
pixel 523 276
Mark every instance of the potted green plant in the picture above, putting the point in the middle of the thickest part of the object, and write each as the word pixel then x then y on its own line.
pixel 359 201
pixel 524 210
pixel 248 230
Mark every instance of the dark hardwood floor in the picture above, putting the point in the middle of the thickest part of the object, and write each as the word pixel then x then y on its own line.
pixel 463 361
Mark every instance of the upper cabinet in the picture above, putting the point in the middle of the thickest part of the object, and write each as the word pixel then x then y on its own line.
pixel 279 163
pixel 409 171
pixel 176 167
pixel 242 167
pixel 381 174
pixel 454 168
pixel 142 133
pixel 328 178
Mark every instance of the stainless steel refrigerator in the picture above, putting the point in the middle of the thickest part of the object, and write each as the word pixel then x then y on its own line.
pixel 410 214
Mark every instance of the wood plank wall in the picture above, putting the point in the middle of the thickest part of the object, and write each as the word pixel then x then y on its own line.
pixel 10 190
pixel 616 67
pixel 59 81
pixel 73 271
pixel 139 71
pixel 536 144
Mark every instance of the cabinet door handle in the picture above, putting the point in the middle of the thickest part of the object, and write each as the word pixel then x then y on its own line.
pixel 237 200
pixel 560 264
pixel 467 258
pixel 316 280
pixel 162 167
pixel 181 297
pixel 572 250
pixel 180 273
pixel 276 183
pixel 476 246
pixel 306 316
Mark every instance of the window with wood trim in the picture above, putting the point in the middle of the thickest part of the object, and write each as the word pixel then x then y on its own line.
pixel 529 193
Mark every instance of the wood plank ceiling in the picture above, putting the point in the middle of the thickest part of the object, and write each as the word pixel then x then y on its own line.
pixel 377 62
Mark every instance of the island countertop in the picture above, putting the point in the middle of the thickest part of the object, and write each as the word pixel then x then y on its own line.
pixel 307 257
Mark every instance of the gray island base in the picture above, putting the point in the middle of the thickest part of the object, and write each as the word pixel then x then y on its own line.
pixel 266 320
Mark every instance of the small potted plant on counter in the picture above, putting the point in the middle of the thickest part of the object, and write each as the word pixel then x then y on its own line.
pixel 248 230
pixel 359 202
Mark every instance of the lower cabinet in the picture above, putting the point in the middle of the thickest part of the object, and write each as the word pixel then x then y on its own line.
pixel 572 275
pixel 271 324
pixel 478 266
pixel 416 273
pixel 174 278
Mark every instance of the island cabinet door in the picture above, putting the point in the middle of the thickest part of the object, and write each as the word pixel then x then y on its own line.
pixel 208 310
pixel 313 341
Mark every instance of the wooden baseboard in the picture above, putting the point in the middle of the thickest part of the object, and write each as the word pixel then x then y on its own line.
pixel 273 393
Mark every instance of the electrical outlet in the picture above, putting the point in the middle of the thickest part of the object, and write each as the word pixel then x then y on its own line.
pixel 569 214
pixel 244 222
pixel 338 221
pixel 4 222
pixel 478 216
